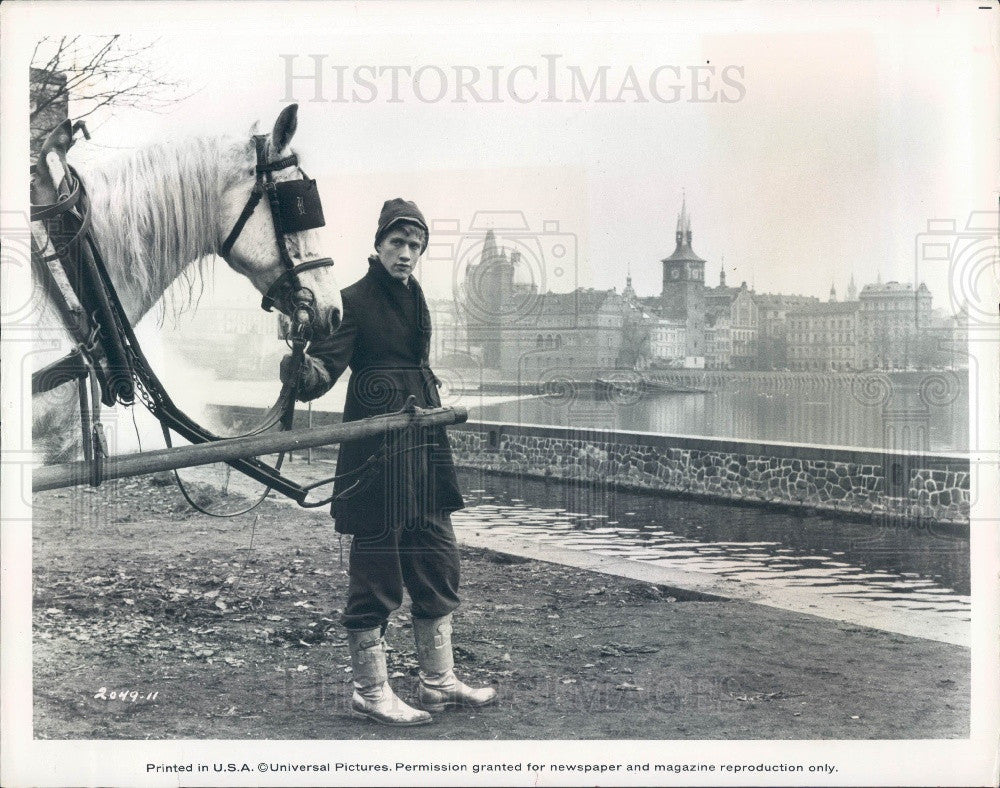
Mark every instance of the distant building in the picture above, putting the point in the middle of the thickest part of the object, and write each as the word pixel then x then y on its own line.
pixel 521 333
pixel 823 337
pixel 578 331
pixel 511 328
pixel 493 303
pixel 667 340
pixel 957 337
pixel 893 321
pixel 852 290
pixel 773 310
pixel 718 342
pixel 731 319
pixel 683 293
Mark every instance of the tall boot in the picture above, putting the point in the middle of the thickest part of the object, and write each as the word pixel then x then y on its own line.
pixel 373 697
pixel 439 687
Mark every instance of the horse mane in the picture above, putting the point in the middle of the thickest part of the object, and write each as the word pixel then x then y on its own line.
pixel 155 213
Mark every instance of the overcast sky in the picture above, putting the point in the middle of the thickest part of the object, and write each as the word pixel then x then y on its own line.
pixel 854 126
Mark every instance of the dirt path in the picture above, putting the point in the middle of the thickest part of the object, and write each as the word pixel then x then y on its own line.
pixel 232 623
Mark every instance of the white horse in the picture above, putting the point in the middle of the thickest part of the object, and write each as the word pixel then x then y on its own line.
pixel 158 213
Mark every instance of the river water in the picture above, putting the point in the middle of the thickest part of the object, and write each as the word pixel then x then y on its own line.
pixel 909 411
pixel 885 564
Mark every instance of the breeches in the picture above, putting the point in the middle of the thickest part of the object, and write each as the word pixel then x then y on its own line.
pixel 420 555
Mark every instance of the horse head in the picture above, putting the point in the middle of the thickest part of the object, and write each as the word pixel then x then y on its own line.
pixel 250 244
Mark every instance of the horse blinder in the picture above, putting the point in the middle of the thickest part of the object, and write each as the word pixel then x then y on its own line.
pixel 299 205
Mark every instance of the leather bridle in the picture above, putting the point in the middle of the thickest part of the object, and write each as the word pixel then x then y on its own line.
pixel 295 206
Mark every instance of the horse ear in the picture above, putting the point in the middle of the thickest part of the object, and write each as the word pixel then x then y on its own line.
pixel 59 141
pixel 284 127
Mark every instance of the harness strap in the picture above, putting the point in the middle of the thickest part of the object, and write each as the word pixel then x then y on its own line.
pixel 248 210
pixel 87 353
pixel 60 254
pixel 270 298
pixel 99 441
pixel 117 338
pixel 40 213
pixel 272 198
pixel 85 272
pixel 95 446
pixel 58 288
pixel 289 161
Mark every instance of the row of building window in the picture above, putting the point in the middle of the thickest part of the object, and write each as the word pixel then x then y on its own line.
pixel 840 336
pixel 555 341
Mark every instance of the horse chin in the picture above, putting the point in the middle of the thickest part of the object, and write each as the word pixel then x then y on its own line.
pixel 326 323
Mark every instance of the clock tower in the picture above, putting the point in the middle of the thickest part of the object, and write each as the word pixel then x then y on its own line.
pixel 683 295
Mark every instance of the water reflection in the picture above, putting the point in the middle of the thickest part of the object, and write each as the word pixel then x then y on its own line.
pixel 900 567
pixel 898 411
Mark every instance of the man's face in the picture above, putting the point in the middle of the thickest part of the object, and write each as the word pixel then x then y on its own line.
pixel 400 250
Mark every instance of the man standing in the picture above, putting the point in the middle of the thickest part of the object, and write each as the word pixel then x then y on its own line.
pixel 394 494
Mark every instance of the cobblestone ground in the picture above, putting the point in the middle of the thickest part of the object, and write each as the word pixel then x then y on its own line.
pixel 227 629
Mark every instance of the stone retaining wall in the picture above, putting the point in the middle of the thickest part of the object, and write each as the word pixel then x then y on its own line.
pixel 923 486
pixel 838 479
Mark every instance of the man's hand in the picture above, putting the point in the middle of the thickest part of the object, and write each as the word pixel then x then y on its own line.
pixel 314 380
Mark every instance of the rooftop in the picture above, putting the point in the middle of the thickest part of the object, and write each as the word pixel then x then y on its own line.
pixel 827 308
pixel 891 287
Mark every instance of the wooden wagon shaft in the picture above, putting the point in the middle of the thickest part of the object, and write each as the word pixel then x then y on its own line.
pixel 51 477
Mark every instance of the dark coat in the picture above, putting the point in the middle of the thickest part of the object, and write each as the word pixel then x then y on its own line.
pixel 385 340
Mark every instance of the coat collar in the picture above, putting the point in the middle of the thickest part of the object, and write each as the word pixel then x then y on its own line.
pixel 396 291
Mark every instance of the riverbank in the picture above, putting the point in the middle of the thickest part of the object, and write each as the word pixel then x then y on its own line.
pixel 233 624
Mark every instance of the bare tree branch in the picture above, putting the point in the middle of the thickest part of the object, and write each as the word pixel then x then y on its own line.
pixel 94 74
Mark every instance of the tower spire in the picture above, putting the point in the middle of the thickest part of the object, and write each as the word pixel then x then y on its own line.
pixel 489 247
pixel 629 291
pixel 722 272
